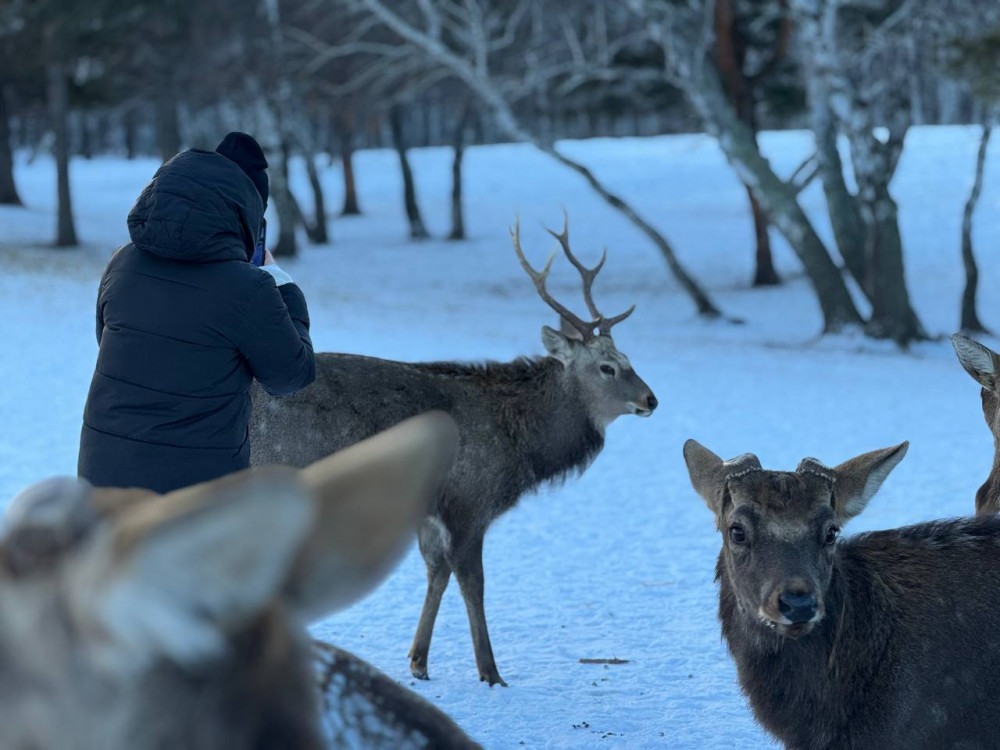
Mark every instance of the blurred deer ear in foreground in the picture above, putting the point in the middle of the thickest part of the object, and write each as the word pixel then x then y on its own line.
pixel 132 620
pixel 983 364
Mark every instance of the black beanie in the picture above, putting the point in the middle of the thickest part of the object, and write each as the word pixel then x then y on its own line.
pixel 249 156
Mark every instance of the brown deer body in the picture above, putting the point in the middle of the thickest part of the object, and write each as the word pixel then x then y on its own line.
pixel 882 640
pixel 133 621
pixel 983 364
pixel 521 423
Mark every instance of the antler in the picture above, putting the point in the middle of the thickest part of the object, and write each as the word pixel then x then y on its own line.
pixel 588 275
pixel 586 328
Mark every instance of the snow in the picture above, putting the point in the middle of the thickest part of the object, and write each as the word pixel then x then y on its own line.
pixel 618 563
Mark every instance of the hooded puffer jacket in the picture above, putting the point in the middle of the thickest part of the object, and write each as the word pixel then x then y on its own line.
pixel 184 324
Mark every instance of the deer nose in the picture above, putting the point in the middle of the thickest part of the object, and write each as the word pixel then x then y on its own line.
pixel 797 607
pixel 651 402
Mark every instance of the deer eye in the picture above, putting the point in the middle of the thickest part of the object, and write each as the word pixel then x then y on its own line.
pixel 737 534
pixel 831 535
pixel 608 370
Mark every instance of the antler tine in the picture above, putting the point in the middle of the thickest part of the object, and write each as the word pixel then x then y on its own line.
pixel 586 274
pixel 606 323
pixel 585 328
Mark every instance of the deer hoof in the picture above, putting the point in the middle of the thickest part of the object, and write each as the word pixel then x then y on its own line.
pixel 419 670
pixel 493 678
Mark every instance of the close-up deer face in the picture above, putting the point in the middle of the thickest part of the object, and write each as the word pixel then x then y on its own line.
pixel 780 529
pixel 135 620
pixel 983 364
pixel 607 381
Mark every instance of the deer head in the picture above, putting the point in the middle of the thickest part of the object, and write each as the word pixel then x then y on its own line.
pixel 585 347
pixel 133 620
pixel 779 529
pixel 983 364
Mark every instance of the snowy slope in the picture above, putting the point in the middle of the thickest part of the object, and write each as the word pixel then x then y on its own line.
pixel 619 562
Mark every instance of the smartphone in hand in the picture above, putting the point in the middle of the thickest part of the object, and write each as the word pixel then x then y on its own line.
pixel 258 253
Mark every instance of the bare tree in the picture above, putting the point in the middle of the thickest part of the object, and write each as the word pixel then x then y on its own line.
pixel 459 138
pixel 976 60
pixel 399 141
pixel 318 231
pixel 11 22
pixel 970 322
pixel 684 31
pixel 751 39
pixel 277 102
pixel 8 188
pixel 345 136
pixel 58 100
pixel 858 64
pixel 503 52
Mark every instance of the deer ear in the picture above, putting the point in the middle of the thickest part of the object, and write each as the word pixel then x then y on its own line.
pixel 707 471
pixel 980 362
pixel 172 575
pixel 569 330
pixel 856 481
pixel 558 345
pixel 371 498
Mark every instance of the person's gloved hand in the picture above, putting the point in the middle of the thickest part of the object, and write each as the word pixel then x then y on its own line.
pixel 269 266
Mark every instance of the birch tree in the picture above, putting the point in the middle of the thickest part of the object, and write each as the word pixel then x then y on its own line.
pixel 857 61
pixel 977 61
pixel 684 31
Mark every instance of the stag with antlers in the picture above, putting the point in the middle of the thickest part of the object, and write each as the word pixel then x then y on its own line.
pixel 522 423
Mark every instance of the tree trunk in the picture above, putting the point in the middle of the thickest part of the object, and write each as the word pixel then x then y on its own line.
pixel 874 163
pixel 417 229
pixel 866 226
pixel 351 207
pixel 730 53
pixel 458 144
pixel 289 214
pixel 8 188
pixel 776 198
pixel 821 75
pixel 168 127
pixel 317 231
pixel 970 322
pixel 86 137
pixel 130 126
pixel 765 273
pixel 58 95
pixel 892 315
pixel 845 217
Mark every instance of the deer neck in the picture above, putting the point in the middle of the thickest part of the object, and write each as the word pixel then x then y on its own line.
pixel 555 431
pixel 806 688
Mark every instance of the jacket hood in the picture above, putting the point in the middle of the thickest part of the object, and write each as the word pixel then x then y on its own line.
pixel 199 207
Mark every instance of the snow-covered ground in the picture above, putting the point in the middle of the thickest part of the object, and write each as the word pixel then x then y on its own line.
pixel 618 563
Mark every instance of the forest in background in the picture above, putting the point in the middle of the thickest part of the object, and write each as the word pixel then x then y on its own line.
pixel 320 79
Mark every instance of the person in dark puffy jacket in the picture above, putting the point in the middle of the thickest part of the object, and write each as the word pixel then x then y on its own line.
pixel 185 323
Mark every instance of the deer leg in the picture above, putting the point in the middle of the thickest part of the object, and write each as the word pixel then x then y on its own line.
pixel 467 565
pixel 433 544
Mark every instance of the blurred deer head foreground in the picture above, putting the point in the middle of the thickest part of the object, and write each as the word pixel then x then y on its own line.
pixel 133 620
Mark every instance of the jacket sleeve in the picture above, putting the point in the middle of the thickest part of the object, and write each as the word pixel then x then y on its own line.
pixel 100 310
pixel 275 337
pixel 100 293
